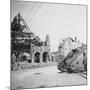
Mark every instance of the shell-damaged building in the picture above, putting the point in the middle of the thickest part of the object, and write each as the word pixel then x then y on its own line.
pixel 41 53
pixel 24 41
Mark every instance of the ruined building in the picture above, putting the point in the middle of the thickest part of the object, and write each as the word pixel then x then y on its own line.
pixel 26 43
pixel 65 47
pixel 41 53
pixel 68 44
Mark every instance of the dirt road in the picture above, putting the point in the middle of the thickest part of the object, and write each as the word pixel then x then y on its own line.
pixel 44 77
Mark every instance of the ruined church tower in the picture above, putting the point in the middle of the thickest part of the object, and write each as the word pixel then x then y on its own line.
pixel 48 40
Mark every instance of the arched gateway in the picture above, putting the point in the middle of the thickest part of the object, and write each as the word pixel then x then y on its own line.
pixel 37 57
pixel 41 52
pixel 45 57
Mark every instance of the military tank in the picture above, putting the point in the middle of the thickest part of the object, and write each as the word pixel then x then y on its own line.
pixel 75 61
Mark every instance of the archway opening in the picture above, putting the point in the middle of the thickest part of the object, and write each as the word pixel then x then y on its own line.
pixel 45 57
pixel 37 57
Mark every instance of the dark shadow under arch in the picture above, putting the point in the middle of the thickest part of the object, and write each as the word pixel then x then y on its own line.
pixel 37 57
pixel 45 56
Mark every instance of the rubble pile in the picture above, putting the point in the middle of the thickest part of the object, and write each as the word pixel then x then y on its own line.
pixel 26 65
pixel 26 46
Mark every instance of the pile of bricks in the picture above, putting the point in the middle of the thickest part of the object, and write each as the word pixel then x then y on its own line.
pixel 26 65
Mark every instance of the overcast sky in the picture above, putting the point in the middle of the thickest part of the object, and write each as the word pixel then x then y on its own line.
pixel 57 20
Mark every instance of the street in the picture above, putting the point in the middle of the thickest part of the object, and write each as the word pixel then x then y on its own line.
pixel 44 77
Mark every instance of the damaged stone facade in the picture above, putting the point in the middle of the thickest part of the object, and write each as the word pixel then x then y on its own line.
pixel 65 47
pixel 41 54
pixel 25 45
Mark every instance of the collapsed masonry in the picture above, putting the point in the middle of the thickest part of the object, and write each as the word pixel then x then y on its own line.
pixel 41 53
pixel 69 44
pixel 66 46
pixel 26 45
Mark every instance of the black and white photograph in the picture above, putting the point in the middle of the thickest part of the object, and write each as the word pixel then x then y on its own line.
pixel 48 44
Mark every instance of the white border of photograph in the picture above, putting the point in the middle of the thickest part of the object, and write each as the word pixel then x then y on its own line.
pixel 5 44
